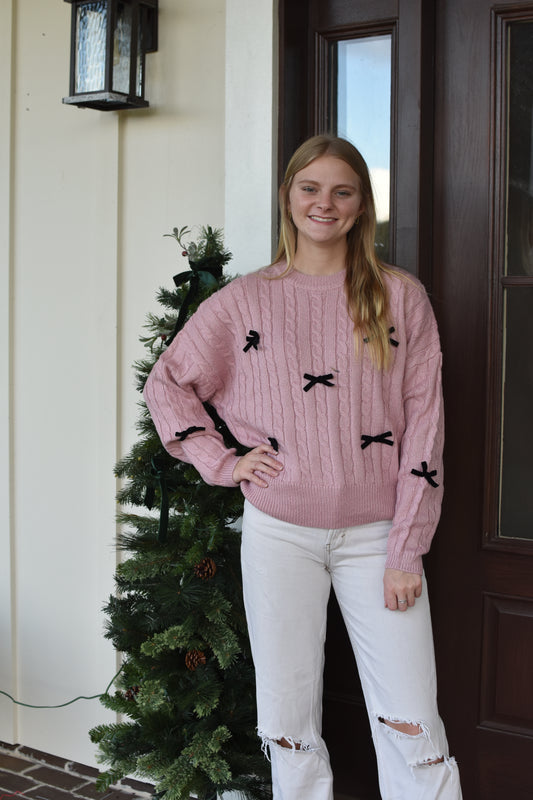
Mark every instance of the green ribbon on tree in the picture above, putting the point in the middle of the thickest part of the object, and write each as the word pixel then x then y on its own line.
pixel 163 511
pixel 206 271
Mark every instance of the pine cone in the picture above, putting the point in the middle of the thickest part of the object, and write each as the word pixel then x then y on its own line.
pixel 194 658
pixel 132 693
pixel 206 569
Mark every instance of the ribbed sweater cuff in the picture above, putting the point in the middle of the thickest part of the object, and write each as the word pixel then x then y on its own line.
pixel 404 562
pixel 210 457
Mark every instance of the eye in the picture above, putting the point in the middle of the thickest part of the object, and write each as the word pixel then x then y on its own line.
pixel 308 189
pixel 344 193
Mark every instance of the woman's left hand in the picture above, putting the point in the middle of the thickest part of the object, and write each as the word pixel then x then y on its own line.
pixel 401 589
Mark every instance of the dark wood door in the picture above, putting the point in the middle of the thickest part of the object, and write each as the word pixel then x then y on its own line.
pixel 461 217
pixel 481 567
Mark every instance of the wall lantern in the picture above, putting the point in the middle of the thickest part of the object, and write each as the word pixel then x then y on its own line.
pixel 109 39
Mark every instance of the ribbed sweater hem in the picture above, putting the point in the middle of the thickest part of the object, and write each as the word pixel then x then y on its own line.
pixel 327 507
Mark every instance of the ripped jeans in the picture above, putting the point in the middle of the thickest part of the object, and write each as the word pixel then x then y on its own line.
pixel 288 571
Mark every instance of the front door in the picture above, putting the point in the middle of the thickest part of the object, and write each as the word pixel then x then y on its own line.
pixel 459 213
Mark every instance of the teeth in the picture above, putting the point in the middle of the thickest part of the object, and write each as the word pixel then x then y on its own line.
pixel 323 219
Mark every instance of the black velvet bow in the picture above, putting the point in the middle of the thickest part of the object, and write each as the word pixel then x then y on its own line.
pixel 425 474
pixel 253 341
pixel 382 438
pixel 393 342
pixel 314 379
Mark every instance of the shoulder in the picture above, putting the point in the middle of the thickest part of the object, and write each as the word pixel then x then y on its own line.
pixel 411 308
pixel 406 291
pixel 401 282
pixel 228 303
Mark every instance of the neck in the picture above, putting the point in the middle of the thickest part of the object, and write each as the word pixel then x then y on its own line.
pixel 320 261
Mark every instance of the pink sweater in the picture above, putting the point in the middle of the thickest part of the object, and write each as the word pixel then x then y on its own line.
pixel 277 360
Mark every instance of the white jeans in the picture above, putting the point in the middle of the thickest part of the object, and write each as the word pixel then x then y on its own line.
pixel 288 571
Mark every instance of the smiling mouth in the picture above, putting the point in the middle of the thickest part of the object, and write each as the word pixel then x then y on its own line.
pixel 321 219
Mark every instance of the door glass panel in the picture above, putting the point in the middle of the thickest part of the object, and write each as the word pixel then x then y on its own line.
pixel 516 497
pixel 516 461
pixel 364 67
pixel 520 147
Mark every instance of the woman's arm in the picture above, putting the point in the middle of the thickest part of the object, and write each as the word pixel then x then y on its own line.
pixel 187 374
pixel 420 477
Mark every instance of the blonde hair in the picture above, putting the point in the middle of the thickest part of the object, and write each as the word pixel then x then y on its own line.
pixel 366 292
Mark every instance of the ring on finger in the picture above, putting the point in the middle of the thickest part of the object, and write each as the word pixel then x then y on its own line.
pixel 402 602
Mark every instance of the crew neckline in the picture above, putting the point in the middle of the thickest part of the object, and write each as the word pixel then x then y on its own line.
pixel 316 282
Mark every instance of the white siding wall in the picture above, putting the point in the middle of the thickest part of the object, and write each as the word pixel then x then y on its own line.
pixel 85 198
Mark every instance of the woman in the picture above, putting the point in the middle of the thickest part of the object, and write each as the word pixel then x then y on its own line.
pixel 327 365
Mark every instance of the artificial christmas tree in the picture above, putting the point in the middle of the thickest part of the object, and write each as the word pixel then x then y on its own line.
pixel 187 683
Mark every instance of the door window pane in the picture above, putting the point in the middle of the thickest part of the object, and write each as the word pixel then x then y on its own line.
pixel 363 99
pixel 516 498
pixel 516 461
pixel 520 150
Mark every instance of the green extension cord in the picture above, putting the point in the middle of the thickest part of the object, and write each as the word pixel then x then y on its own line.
pixel 69 703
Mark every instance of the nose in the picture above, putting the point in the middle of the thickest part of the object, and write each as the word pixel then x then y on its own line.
pixel 324 201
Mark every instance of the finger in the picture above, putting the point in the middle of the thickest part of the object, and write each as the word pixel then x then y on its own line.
pixel 257 480
pixel 252 470
pixel 244 471
pixel 257 462
pixel 263 454
pixel 264 448
pixel 403 604
pixel 249 472
pixel 269 465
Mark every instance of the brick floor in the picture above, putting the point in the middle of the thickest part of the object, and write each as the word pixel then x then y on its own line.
pixel 25 772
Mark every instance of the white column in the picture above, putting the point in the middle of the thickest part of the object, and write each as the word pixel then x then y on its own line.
pixel 251 131
pixel 8 730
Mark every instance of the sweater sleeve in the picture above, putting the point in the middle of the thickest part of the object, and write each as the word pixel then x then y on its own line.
pixel 186 375
pixel 420 479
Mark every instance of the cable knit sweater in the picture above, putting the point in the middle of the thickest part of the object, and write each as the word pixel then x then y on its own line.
pixel 277 360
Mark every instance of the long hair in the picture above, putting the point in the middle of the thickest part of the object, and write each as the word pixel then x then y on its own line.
pixel 366 292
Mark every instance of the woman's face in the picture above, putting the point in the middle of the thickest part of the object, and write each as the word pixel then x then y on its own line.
pixel 325 199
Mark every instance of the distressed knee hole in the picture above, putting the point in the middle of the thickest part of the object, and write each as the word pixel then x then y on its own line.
pixel 285 742
pixel 408 728
pixel 291 745
pixel 419 734
pixel 431 762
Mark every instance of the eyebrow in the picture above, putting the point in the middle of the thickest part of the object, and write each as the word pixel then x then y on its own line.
pixel 338 186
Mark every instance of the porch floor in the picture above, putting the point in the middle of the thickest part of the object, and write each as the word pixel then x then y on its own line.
pixel 30 773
